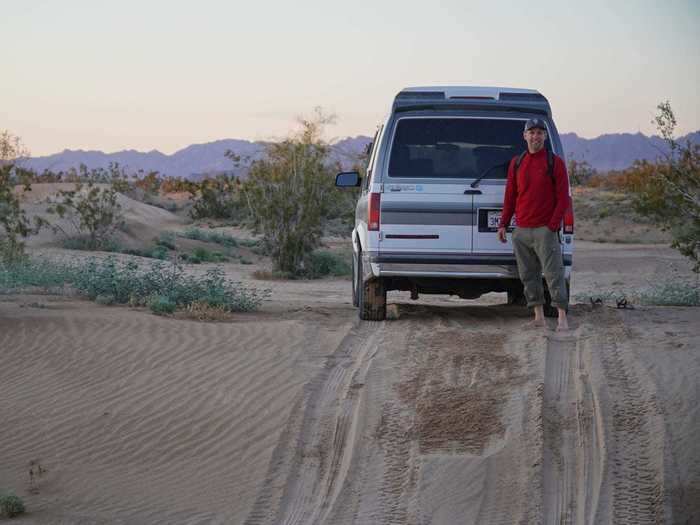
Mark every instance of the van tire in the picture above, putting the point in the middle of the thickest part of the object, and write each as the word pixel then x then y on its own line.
pixel 372 296
pixel 355 281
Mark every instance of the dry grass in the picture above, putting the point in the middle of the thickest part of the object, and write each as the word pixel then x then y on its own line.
pixel 200 311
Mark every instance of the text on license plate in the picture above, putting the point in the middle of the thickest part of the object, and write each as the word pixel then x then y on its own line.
pixel 494 217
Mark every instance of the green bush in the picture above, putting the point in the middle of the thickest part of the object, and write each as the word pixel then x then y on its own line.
pixel 160 305
pixel 211 236
pixel 92 211
pixel 11 505
pixel 220 198
pixel 668 191
pixel 126 283
pixel 325 263
pixel 202 255
pixel 288 192
pixel 159 252
pixel 14 224
pixel 106 300
pixel 34 273
pixel 674 290
pixel 671 293
pixel 166 240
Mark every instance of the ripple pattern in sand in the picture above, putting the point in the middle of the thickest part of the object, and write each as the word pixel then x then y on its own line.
pixel 144 418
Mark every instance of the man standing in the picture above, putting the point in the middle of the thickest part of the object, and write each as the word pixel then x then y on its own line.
pixel 538 196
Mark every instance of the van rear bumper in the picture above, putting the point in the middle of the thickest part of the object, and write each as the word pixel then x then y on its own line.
pixel 461 266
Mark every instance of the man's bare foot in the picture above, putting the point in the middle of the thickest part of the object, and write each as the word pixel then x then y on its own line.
pixel 536 323
pixel 562 321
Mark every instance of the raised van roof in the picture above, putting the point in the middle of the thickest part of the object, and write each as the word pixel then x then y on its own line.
pixel 446 97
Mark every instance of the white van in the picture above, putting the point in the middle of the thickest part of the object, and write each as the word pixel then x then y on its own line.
pixel 432 195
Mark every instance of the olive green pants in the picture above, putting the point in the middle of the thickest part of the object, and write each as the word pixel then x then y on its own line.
pixel 538 252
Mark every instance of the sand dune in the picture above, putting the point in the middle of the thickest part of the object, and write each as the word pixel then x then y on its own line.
pixel 143 221
pixel 141 418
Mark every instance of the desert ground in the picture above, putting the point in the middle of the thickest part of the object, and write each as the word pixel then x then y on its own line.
pixel 449 412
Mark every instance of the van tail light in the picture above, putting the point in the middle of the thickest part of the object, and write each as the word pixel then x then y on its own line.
pixel 569 218
pixel 373 212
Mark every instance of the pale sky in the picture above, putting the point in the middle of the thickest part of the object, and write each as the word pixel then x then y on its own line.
pixel 156 74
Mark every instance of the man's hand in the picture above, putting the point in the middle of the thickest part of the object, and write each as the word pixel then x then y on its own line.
pixel 501 234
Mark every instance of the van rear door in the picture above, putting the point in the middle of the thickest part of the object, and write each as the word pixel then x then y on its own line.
pixel 425 218
pixel 427 204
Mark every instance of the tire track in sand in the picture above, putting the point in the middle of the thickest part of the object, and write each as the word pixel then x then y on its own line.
pixel 573 440
pixel 603 434
pixel 636 435
pixel 315 450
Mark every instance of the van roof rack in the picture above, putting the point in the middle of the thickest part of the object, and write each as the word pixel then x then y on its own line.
pixel 471 97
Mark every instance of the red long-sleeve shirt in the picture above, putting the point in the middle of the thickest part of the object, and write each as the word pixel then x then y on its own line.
pixel 535 199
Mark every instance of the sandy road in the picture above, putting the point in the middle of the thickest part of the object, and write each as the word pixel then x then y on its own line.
pixel 300 414
pixel 455 415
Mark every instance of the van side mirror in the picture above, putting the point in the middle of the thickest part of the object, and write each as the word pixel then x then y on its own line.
pixel 348 179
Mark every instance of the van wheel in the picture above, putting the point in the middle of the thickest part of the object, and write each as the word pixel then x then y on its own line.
pixel 355 281
pixel 371 296
pixel 549 310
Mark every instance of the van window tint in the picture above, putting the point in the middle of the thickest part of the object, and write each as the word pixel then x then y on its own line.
pixel 455 147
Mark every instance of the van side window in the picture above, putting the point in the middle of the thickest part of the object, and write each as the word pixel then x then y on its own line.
pixel 372 159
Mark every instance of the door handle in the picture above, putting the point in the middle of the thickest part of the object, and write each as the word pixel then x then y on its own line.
pixel 472 192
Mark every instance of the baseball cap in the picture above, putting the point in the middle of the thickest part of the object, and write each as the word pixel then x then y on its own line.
pixel 535 123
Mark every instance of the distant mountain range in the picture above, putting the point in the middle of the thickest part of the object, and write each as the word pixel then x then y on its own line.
pixel 606 152
pixel 618 151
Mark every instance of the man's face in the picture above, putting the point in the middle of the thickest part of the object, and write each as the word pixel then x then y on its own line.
pixel 535 138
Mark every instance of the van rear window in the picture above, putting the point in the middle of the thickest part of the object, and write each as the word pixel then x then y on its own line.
pixel 462 148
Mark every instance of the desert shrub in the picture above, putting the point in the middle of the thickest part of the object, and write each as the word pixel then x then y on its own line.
pixel 205 312
pixel 219 198
pixel 34 273
pixel 202 255
pixel 149 183
pixel 177 185
pixel 287 192
pixel 580 172
pixel 166 240
pixel 195 234
pixel 14 224
pixel 671 293
pixel 325 263
pixel 126 283
pixel 11 505
pixel 106 300
pixel 668 191
pixel 92 211
pixel 158 252
pixel 198 234
pixel 674 289
pixel 130 285
pixel 160 304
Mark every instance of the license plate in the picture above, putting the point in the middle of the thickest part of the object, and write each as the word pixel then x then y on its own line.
pixel 494 217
